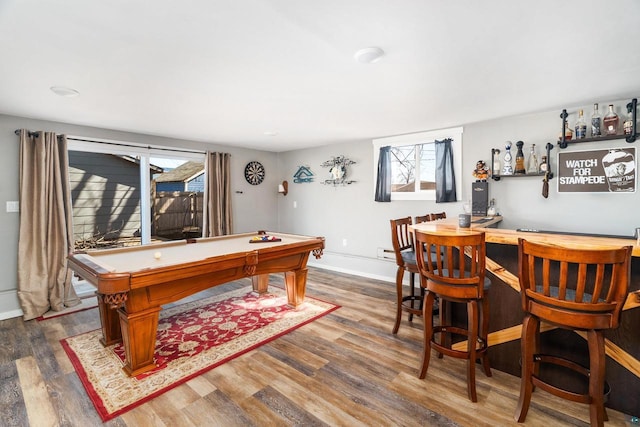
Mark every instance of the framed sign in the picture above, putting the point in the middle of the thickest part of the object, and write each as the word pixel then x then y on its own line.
pixel 597 171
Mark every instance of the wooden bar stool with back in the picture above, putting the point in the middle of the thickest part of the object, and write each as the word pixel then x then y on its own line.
pixel 577 289
pixel 452 268
pixel 402 240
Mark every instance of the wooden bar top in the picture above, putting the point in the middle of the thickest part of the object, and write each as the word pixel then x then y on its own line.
pixel 510 237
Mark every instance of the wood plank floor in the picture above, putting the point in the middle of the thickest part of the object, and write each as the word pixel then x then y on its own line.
pixel 345 369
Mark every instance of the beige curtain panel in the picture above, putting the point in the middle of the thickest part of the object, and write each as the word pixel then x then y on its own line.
pixel 44 281
pixel 217 216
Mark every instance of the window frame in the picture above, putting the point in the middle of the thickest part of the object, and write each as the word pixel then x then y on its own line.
pixel 419 138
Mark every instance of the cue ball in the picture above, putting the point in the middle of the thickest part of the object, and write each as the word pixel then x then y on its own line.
pixel 157 255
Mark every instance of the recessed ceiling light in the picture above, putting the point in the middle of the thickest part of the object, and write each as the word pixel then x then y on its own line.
pixel 369 55
pixel 64 91
pixel 270 133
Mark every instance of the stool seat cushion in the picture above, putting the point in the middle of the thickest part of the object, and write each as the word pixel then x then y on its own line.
pixel 409 257
pixel 570 294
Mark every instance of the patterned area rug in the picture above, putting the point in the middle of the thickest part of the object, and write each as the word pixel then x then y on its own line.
pixel 192 338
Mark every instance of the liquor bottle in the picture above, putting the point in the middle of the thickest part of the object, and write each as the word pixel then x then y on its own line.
pixel 532 165
pixel 492 210
pixel 595 122
pixel 581 126
pixel 519 169
pixel 628 123
pixel 496 162
pixel 507 168
pixel 611 122
pixel 568 133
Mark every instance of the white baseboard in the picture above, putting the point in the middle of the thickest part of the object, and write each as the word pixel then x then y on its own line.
pixel 372 268
pixel 9 305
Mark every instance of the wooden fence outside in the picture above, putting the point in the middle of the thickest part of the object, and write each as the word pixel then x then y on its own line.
pixel 177 214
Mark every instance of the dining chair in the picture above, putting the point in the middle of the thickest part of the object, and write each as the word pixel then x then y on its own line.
pixel 571 288
pixel 452 268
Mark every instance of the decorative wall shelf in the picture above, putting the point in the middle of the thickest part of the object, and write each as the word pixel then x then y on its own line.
pixel 549 174
pixel 563 143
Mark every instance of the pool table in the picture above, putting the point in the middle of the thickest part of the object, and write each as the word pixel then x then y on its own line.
pixel 134 282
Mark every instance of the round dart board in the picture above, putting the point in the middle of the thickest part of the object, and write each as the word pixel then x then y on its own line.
pixel 254 173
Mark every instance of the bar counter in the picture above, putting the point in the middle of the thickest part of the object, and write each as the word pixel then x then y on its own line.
pixel 622 344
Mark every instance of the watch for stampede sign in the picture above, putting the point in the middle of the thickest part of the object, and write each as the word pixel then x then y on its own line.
pixel 597 171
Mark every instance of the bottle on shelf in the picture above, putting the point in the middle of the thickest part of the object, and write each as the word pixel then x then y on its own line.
pixel 611 122
pixel 628 122
pixel 581 126
pixel 532 164
pixel 492 210
pixel 595 122
pixel 496 162
pixel 507 168
pixel 519 169
pixel 568 133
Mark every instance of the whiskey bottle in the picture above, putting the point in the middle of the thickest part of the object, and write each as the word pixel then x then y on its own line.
pixel 595 122
pixel 628 123
pixel 519 169
pixel 581 126
pixel 532 164
pixel 611 122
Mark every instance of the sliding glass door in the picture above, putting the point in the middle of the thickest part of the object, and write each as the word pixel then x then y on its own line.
pixel 124 195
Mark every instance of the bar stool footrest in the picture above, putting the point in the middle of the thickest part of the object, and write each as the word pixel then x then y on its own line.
pixel 481 343
pixel 561 392
pixel 409 304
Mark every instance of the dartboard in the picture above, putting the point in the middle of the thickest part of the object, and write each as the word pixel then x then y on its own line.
pixel 254 173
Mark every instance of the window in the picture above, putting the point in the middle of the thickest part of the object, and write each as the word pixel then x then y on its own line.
pixel 413 162
pixel 114 197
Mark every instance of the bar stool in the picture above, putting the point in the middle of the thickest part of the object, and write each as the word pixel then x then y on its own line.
pixel 452 268
pixel 439 215
pixel 423 218
pixel 576 289
pixel 402 240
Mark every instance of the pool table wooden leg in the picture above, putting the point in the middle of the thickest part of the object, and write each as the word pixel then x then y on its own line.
pixel 260 283
pixel 110 322
pixel 139 331
pixel 296 282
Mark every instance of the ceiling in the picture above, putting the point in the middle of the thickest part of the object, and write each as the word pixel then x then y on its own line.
pixel 233 71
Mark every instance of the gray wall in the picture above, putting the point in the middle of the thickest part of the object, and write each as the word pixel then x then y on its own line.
pixel 254 209
pixel 350 212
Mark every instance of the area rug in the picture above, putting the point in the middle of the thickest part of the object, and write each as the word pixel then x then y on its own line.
pixel 192 338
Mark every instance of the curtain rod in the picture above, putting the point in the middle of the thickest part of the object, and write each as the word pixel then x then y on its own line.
pixel 121 144
pixel 17 132
pixel 124 144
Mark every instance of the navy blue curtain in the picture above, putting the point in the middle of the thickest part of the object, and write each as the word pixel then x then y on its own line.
pixel 383 184
pixel 445 176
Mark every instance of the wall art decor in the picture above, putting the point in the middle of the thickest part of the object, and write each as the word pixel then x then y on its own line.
pixel 338 168
pixel 303 175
